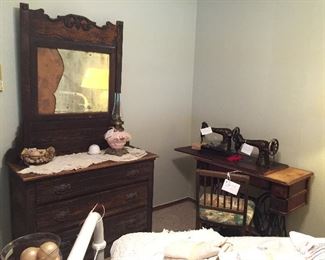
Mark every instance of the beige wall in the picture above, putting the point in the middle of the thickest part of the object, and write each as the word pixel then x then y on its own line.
pixel 260 65
pixel 158 58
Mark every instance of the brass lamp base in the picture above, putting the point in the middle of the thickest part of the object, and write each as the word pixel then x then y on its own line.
pixel 117 152
pixel 118 123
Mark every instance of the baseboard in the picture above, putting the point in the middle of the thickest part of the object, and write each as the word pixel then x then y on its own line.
pixel 172 203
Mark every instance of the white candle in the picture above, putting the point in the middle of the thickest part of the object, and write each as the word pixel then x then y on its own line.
pixel 80 246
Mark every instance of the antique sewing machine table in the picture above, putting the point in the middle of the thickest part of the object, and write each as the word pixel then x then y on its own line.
pixel 285 188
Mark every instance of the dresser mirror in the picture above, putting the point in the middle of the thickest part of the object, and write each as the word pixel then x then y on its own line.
pixel 70 73
pixel 72 81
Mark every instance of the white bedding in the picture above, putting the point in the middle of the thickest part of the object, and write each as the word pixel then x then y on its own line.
pixel 295 247
pixel 208 244
pixel 249 248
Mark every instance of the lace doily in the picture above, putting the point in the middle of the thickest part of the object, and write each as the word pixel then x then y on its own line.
pixel 81 160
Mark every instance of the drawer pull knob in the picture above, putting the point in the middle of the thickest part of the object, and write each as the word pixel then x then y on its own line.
pixel 131 195
pixel 60 189
pixel 133 173
pixel 61 216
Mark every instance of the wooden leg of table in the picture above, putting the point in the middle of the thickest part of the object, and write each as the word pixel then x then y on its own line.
pixel 277 225
pixel 268 223
pixel 262 214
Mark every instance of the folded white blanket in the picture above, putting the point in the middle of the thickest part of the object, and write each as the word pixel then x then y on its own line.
pixel 189 250
pixel 194 244
pixel 310 247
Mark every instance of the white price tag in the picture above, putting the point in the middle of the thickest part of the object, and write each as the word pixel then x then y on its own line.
pixel 231 187
pixel 206 131
pixel 247 149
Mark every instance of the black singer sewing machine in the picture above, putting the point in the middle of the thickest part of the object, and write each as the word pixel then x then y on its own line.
pixel 265 148
pixel 224 146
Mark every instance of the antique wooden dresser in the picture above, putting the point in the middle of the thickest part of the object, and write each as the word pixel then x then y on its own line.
pixel 59 203
pixel 70 85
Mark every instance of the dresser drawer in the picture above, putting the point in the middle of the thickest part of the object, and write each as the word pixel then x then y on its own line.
pixel 125 223
pixel 67 241
pixel 129 222
pixel 68 238
pixel 71 213
pixel 114 227
pixel 65 187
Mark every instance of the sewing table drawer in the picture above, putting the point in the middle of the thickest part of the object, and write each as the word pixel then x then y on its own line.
pixel 65 187
pixel 283 191
pixel 285 206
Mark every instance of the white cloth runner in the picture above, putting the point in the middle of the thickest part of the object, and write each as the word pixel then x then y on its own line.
pixel 310 247
pixel 81 160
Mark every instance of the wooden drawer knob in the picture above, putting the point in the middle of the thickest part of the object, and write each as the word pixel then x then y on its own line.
pixel 61 216
pixel 133 172
pixel 131 195
pixel 62 188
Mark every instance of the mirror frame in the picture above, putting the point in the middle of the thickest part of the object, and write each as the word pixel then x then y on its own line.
pixel 69 132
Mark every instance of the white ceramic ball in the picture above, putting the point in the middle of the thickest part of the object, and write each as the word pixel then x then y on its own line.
pixel 94 149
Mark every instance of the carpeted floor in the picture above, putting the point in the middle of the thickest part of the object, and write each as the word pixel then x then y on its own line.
pixel 178 217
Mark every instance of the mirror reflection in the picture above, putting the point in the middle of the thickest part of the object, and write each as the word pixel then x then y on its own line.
pixel 71 81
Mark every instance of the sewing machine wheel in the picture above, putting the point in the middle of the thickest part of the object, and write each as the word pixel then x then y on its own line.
pixel 237 138
pixel 235 133
pixel 273 147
